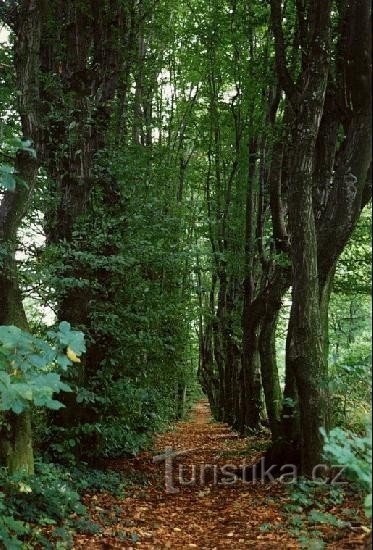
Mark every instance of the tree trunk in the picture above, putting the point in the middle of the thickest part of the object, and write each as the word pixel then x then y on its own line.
pixel 16 451
pixel 269 371
pixel 251 408
pixel 77 105
pixel 306 345
pixel 307 98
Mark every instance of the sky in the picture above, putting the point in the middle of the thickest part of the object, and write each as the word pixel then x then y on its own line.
pixel 4 34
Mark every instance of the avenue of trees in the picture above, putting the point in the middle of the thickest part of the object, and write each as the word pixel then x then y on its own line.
pixel 185 196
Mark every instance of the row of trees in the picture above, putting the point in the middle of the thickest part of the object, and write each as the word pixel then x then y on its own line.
pixel 288 176
pixel 181 162
pixel 96 205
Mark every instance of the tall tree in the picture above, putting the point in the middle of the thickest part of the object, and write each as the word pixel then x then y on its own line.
pixel 319 161
pixel 16 450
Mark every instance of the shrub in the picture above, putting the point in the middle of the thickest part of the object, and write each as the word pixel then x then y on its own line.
pixel 355 452
pixel 45 509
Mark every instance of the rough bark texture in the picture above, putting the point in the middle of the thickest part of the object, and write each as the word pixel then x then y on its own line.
pixel 326 189
pixel 250 409
pixel 267 347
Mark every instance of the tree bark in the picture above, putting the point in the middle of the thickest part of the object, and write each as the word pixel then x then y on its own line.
pixel 267 347
pixel 306 344
pixel 16 450
pixel 251 382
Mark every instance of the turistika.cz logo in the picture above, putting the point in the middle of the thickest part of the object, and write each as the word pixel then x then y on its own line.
pixel 178 475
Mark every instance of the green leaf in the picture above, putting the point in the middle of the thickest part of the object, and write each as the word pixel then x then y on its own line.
pixel 17 407
pixel 7 179
pixel 6 168
pixel 64 326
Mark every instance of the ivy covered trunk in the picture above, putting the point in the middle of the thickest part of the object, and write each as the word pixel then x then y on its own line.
pixel 80 59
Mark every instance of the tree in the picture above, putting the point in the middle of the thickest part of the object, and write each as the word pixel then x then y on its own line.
pixel 314 153
pixel 16 428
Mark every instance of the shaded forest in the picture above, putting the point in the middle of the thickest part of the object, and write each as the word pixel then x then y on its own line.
pixel 185 212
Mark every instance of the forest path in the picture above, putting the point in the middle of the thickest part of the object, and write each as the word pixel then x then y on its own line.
pixel 205 515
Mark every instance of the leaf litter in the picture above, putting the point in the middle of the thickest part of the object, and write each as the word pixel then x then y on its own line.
pixel 205 515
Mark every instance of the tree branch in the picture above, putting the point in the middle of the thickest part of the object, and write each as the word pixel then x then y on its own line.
pixel 284 76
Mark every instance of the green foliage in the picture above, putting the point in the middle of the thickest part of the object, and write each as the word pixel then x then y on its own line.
pixel 354 452
pixel 7 178
pixel 143 410
pixel 306 494
pixel 30 504
pixel 354 269
pixel 129 414
pixel 315 516
pixel 8 174
pixel 311 542
pixel 141 342
pixel 266 527
pixel 350 360
pixel 89 480
pixel 308 507
pixel 46 498
pixel 44 510
pixel 29 366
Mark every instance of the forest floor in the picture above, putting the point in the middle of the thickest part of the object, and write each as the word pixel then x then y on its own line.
pixel 209 515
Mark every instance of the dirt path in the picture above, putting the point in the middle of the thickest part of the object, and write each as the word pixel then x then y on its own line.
pixel 205 515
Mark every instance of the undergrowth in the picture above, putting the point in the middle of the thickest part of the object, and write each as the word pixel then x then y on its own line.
pixel 46 509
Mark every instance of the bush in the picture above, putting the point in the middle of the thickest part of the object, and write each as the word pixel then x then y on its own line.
pixel 29 366
pixel 29 503
pixel 49 501
pixel 355 452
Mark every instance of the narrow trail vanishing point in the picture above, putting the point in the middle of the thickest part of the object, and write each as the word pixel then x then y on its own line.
pixel 201 515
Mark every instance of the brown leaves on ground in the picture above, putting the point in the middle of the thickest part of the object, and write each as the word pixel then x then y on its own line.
pixel 203 515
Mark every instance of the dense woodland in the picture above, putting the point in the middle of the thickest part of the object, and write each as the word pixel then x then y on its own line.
pixel 185 212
